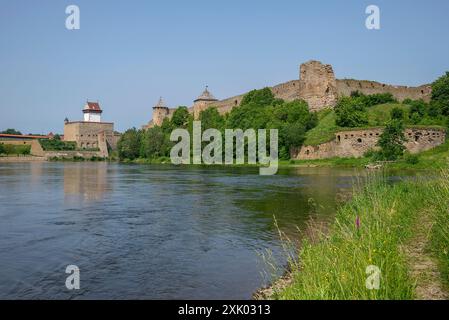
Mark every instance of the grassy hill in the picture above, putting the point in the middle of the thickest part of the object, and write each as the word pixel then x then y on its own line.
pixel 377 117
pixel 324 131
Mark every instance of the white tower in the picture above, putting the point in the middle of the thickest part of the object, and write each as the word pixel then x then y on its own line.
pixel 92 112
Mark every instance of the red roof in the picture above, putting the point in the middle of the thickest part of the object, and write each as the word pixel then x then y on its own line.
pixel 92 106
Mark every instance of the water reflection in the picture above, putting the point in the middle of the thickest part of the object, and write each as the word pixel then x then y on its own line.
pixel 141 231
pixel 85 182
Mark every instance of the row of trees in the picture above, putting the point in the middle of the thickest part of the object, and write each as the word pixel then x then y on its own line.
pixel 259 109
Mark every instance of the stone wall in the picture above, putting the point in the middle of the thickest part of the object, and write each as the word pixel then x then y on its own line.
pixel 86 134
pixel 317 85
pixel 346 86
pixel 355 143
pixel 159 114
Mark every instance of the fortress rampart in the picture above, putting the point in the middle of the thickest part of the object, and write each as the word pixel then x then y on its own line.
pixel 317 85
pixel 355 143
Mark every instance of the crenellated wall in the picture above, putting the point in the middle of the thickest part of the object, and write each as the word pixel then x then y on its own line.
pixel 355 143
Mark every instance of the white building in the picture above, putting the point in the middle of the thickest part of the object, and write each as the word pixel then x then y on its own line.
pixel 92 112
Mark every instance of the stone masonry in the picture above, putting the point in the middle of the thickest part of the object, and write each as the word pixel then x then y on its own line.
pixel 317 85
pixel 355 143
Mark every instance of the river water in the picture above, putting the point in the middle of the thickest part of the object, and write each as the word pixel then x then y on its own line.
pixel 149 231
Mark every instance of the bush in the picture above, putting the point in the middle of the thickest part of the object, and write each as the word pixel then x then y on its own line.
pixel 350 112
pixel 397 113
pixel 57 145
pixel 377 98
pixel 370 153
pixel 10 149
pixel 411 158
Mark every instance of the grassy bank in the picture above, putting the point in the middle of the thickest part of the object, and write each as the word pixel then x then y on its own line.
pixel 372 230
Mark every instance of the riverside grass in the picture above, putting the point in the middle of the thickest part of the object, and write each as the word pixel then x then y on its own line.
pixel 440 229
pixel 371 230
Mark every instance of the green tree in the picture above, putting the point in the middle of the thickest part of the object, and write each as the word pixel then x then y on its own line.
pixel 155 143
pixel 295 111
pixel 2 148
pixel 391 141
pixel 293 134
pixel 440 93
pixel 180 117
pixel 211 118
pixel 377 98
pixel 262 97
pixel 129 144
pixel 12 131
pixel 350 112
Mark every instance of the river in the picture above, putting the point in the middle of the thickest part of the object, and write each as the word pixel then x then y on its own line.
pixel 152 231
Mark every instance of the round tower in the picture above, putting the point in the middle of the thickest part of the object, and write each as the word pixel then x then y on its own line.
pixel 202 102
pixel 160 112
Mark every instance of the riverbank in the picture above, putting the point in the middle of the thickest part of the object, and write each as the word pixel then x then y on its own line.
pixel 380 230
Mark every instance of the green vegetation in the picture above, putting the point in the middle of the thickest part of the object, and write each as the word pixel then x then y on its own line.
pixel 10 149
pixel 440 95
pixel 57 145
pixel 364 111
pixel 12 131
pixel 373 229
pixel 440 228
pixel 259 109
pixel 434 159
pixel 350 113
pixel 325 129
pixel 391 141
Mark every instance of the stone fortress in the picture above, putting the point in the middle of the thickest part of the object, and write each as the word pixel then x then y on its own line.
pixel 91 134
pixel 318 86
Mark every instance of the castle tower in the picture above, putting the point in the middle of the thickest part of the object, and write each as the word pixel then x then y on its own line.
pixel 160 112
pixel 202 102
pixel 317 85
pixel 92 112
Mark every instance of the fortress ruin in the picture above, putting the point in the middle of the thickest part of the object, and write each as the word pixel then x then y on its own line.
pixel 317 85
pixel 356 142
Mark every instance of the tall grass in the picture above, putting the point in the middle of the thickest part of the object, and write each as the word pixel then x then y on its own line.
pixel 369 230
pixel 440 229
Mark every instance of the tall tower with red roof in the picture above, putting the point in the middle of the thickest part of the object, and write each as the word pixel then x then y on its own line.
pixel 92 112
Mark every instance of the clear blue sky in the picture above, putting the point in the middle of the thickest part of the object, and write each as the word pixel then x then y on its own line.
pixel 128 53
